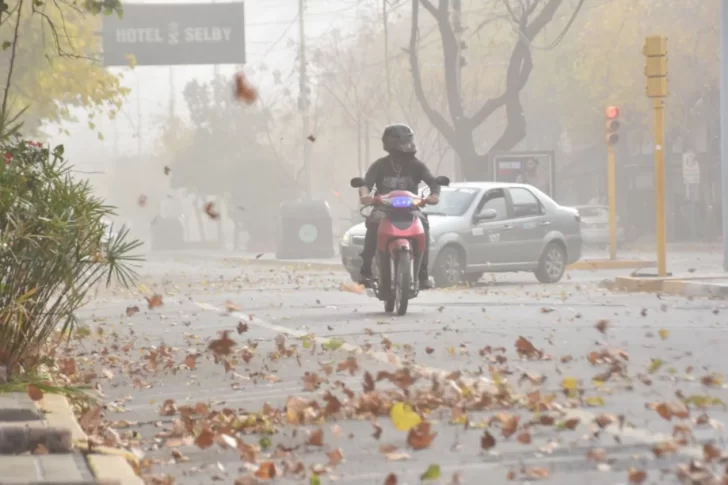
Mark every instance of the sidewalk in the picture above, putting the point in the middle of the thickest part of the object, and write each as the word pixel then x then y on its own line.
pixel 40 444
pixel 678 247
pixel 689 285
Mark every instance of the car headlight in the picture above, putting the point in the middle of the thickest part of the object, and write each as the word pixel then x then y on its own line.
pixel 346 239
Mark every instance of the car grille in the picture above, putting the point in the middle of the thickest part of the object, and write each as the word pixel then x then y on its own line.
pixel 357 240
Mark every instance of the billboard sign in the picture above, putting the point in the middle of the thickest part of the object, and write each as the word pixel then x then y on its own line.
pixel 168 34
pixel 532 168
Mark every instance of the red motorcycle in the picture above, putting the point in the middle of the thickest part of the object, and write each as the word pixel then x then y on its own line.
pixel 401 245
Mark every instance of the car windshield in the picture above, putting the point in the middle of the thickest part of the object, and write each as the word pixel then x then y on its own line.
pixel 454 201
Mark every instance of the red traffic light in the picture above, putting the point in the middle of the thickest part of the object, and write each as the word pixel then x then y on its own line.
pixel 612 112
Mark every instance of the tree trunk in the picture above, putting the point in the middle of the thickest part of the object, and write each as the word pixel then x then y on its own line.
pixel 459 131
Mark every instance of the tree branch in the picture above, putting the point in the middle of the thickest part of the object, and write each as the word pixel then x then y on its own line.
pixel 4 108
pixel 519 70
pixel 434 116
pixel 542 19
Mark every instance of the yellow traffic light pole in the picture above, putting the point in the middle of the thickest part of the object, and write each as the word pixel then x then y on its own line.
pixel 612 126
pixel 660 227
pixel 612 194
pixel 655 50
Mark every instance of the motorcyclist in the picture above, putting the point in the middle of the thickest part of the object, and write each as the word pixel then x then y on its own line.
pixel 400 170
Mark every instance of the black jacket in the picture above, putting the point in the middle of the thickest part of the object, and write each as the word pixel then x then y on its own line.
pixel 387 175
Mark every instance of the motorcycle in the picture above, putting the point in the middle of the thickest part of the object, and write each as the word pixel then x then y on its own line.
pixel 401 244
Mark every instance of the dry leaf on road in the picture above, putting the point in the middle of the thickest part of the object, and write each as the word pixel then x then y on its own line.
pixel 154 301
pixel 419 437
pixel 34 393
pixel 266 471
pixel 487 441
pixel 353 288
pixel 636 477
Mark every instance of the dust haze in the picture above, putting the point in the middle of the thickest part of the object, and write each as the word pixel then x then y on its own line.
pixel 182 142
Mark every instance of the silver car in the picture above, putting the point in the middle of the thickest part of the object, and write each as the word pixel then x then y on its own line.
pixel 481 227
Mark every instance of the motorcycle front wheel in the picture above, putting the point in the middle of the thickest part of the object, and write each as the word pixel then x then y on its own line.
pixel 402 282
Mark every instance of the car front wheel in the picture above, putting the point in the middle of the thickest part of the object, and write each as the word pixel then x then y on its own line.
pixel 552 265
pixel 448 270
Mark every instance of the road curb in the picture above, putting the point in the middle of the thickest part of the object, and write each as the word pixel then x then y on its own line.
pixel 109 465
pixel 697 286
pixel 60 432
pixel 16 439
pixel 57 412
pixel 597 264
pixel 113 468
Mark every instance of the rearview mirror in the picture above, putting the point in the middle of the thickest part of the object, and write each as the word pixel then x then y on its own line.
pixel 442 180
pixel 486 215
pixel 357 182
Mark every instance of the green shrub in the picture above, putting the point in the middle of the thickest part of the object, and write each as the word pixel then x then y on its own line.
pixel 53 249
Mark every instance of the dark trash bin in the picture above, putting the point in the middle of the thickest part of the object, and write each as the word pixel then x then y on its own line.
pixel 306 230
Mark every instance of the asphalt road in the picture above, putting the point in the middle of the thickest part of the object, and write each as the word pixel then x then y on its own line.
pixel 670 344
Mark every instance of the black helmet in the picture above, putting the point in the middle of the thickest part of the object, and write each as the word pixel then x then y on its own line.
pixel 399 138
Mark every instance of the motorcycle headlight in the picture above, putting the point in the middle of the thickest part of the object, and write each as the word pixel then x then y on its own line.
pixel 346 239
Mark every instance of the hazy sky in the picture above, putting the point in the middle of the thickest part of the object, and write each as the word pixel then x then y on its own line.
pixel 271 31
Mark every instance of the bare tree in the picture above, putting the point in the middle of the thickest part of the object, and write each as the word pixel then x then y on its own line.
pixel 528 18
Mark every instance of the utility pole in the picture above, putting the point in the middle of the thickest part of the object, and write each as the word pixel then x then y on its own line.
pixel 724 124
pixel 116 141
pixel 303 100
pixel 385 18
pixel 216 67
pixel 457 28
pixel 172 100
pixel 139 119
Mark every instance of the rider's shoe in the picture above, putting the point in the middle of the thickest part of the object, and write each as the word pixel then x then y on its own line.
pixel 427 283
pixel 365 278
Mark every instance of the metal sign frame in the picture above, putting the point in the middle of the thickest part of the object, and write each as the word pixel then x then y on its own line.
pixel 513 157
pixel 171 34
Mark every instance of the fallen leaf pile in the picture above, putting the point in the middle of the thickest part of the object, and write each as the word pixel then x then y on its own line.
pixel 504 402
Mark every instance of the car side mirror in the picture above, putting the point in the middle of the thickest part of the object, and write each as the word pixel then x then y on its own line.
pixel 486 215
pixel 442 180
pixel 357 182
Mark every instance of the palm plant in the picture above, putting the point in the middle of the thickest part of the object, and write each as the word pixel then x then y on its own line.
pixel 53 249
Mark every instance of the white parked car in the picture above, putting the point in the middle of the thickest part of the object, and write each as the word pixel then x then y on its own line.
pixel 595 225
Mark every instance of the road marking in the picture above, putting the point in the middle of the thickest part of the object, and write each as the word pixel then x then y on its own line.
pixel 638 434
pixel 243 394
pixel 387 358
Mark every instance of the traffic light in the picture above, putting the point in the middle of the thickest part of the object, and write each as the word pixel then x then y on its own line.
pixel 612 125
pixel 655 52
